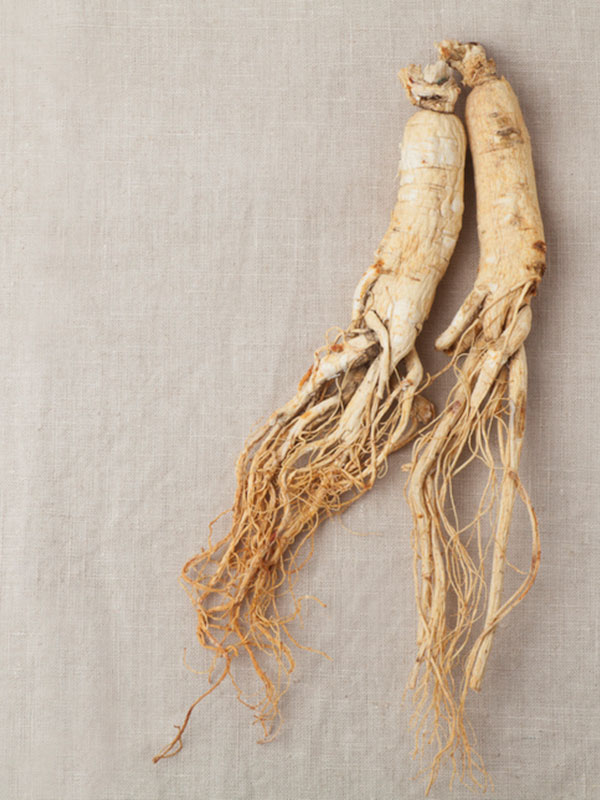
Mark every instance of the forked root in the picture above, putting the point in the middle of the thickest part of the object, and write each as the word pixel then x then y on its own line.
pixel 306 465
pixel 450 558
pixel 510 451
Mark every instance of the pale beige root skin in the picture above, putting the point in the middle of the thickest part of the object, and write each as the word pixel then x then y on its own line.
pixel 488 402
pixel 510 449
pixel 357 403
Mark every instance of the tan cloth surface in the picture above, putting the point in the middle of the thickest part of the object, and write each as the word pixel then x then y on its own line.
pixel 190 192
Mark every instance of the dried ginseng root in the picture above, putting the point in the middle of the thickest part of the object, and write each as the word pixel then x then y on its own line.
pixel 485 412
pixel 357 403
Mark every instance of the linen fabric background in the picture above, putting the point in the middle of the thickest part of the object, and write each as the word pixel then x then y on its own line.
pixel 190 193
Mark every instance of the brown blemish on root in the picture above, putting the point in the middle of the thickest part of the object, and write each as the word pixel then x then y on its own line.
pixel 306 376
pixel 539 245
pixel 504 132
pixel 520 414
pixel 539 268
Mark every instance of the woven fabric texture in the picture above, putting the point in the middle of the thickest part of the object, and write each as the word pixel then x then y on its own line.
pixel 191 190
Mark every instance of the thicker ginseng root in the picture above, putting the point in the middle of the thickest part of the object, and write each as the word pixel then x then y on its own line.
pixel 357 403
pixel 486 405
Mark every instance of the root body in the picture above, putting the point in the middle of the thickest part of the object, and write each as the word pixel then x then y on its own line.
pixel 357 403
pixel 487 403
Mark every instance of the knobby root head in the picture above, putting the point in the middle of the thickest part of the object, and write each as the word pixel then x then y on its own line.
pixel 469 59
pixel 433 88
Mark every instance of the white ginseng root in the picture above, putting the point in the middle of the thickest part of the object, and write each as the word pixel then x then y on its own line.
pixel 487 404
pixel 357 404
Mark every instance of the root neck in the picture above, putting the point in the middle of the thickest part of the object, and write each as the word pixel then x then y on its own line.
pixel 468 59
